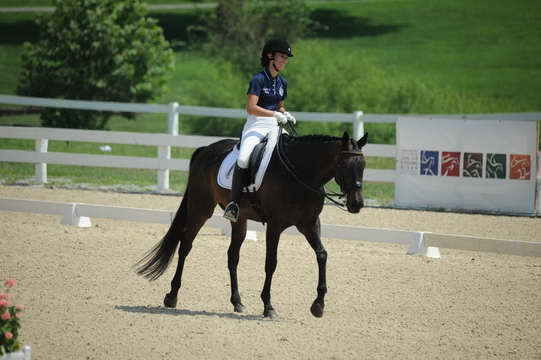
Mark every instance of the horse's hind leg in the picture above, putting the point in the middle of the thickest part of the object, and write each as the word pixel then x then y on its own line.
pixel 313 235
pixel 187 237
pixel 238 234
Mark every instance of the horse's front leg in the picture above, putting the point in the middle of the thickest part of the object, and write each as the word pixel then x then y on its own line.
pixel 313 235
pixel 238 234
pixel 271 260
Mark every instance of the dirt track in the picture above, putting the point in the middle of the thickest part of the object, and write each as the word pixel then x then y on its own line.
pixel 84 301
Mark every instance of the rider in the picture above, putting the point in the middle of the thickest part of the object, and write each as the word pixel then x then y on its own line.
pixel 265 107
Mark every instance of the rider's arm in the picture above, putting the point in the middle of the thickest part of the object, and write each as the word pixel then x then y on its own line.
pixel 281 107
pixel 253 109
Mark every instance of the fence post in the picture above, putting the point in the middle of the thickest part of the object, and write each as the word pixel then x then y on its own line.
pixel 164 152
pixel 41 168
pixel 538 184
pixel 172 119
pixel 358 125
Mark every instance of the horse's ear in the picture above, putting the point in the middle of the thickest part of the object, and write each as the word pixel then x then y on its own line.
pixel 346 141
pixel 362 141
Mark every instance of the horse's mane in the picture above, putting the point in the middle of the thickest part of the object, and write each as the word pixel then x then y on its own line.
pixel 310 139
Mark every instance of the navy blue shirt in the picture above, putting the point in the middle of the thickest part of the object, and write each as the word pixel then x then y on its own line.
pixel 270 91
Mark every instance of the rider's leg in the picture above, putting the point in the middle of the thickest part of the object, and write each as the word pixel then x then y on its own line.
pixel 239 182
pixel 240 175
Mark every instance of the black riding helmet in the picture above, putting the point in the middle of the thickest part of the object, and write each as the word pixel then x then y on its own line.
pixel 275 45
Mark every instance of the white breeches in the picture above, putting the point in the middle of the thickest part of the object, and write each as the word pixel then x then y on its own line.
pixel 255 129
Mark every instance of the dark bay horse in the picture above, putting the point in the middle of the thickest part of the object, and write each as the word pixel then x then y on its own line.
pixel 291 194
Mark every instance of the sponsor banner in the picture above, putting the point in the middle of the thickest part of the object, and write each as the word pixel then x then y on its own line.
pixel 466 164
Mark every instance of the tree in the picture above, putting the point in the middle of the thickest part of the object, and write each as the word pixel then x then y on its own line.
pixel 101 50
pixel 238 29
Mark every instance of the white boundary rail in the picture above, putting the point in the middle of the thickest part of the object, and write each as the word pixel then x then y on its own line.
pixel 421 243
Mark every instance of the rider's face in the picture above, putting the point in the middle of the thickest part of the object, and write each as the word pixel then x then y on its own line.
pixel 280 60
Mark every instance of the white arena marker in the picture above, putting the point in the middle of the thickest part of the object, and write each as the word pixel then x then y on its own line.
pixel 251 235
pixel 71 218
pixel 417 247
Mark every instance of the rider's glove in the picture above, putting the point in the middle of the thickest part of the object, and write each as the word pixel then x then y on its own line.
pixel 290 118
pixel 280 118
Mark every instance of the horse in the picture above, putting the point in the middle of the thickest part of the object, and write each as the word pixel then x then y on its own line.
pixel 291 194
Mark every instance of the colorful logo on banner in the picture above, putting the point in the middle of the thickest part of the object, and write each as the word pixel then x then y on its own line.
pixel 521 167
pixel 429 162
pixel 450 163
pixel 494 166
pixel 473 165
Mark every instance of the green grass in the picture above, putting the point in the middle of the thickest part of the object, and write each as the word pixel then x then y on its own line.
pixel 482 49
pixel 478 47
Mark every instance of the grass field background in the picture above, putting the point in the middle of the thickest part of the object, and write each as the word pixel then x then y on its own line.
pixel 379 56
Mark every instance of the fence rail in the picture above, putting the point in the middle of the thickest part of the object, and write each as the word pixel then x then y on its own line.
pixel 163 162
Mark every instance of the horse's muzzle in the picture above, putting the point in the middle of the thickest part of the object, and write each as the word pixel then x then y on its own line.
pixel 355 205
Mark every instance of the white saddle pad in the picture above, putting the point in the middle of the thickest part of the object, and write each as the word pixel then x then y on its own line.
pixel 225 174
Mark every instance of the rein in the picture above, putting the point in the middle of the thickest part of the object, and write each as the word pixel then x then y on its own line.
pixel 289 167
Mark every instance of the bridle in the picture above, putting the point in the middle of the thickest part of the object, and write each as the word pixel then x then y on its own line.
pixel 291 170
pixel 341 163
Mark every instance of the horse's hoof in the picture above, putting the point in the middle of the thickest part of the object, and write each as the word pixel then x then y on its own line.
pixel 170 301
pixel 270 314
pixel 317 309
pixel 239 308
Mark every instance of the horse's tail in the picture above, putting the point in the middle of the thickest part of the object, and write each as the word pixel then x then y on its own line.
pixel 157 260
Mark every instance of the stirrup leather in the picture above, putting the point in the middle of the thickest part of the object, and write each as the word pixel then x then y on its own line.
pixel 231 212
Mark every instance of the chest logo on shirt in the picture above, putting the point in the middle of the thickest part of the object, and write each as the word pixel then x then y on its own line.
pixel 268 91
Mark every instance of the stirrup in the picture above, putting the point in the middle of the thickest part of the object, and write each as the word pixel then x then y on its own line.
pixel 231 212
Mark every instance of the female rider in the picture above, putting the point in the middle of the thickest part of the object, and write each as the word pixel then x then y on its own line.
pixel 265 107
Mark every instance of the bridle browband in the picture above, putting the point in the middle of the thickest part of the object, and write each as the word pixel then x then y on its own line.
pixel 289 167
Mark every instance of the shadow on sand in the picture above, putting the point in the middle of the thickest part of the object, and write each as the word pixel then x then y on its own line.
pixel 185 312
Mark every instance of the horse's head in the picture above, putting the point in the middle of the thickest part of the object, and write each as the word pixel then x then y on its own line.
pixel 349 171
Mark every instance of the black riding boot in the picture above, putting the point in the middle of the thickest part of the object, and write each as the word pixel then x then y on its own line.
pixel 239 181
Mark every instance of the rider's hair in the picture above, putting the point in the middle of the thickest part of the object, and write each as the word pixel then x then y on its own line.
pixel 265 60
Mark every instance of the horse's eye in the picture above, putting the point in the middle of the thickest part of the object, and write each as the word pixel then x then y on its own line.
pixel 358 184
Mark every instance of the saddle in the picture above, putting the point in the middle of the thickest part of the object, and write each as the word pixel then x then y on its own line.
pixel 256 157
pixel 259 160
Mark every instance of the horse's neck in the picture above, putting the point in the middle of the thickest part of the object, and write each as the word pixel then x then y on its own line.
pixel 314 162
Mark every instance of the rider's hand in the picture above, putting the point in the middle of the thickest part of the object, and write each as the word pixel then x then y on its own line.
pixel 290 118
pixel 280 118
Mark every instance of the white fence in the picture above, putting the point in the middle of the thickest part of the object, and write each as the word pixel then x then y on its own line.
pixel 163 163
pixel 417 243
